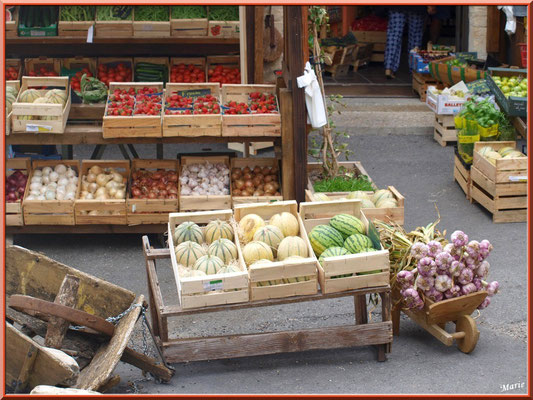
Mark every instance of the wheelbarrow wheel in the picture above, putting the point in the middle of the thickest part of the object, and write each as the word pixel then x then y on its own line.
pixel 466 324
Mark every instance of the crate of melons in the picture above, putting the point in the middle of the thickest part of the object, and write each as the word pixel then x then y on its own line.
pixel 276 250
pixel 347 245
pixel 206 259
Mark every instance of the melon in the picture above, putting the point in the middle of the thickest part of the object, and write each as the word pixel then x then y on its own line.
pixel 347 224
pixel 11 90
pixel 195 273
pixel 514 154
pixel 294 260
pixel 287 222
pixel 379 194
pixel 209 264
pixel 357 242
pixel 505 150
pixel 270 235
pixel 255 251
pixel 387 203
pixel 10 99
pixel 323 237
pixel 188 231
pixel 248 225
pixel 321 197
pixel 229 269
pixel 41 100
pixel 224 249
pixel 218 230
pixel 29 96
pixel 292 246
pixel 484 150
pixel 263 261
pixel 367 204
pixel 188 252
pixel 269 283
pixel 358 195
pixel 56 96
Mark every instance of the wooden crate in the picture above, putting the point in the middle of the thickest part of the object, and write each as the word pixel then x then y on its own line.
pixel 134 125
pixel 378 39
pixel 11 26
pixel 74 28
pixel 50 212
pixel 339 59
pixel 445 131
pixel 194 292
pixel 362 55
pixel 16 63
pixel 14 214
pixel 332 269
pixel 249 124
pixel 151 211
pixel 79 62
pixel 110 212
pixel 112 29
pixel 462 176
pixel 152 60
pixel 36 111
pixel 252 162
pixel 114 61
pixel 199 62
pixel 188 27
pixel 16 85
pixel 421 82
pixel 303 271
pixel 314 166
pixel 33 64
pixel 192 125
pixel 204 202
pixel 225 61
pixel 151 29
pixel 225 29
pixel 500 188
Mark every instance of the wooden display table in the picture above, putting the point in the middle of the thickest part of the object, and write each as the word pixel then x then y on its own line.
pixel 361 333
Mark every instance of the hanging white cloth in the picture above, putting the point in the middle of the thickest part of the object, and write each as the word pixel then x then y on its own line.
pixel 510 26
pixel 314 101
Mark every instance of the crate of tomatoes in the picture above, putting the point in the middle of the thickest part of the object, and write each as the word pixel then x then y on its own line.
pixel 250 110
pixel 192 110
pixel 224 69
pixel 13 69
pixel 133 110
pixel 187 70
pixel 42 66
pixel 112 69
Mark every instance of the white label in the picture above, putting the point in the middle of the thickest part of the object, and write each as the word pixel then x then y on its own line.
pixel 148 27
pixel 133 207
pixel 213 285
pixel 518 178
pixel 90 32
pixel 37 33
pixel 38 128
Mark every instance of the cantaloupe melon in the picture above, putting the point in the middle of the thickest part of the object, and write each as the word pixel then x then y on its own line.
pixel 248 225
pixel 270 235
pixel 218 230
pixel 286 222
pixel 224 249
pixel 188 252
pixel 381 194
pixel 358 195
pixel 255 251
pixel 367 204
pixel 29 96
pixel 320 197
pixel 292 246
pixel 188 231
pixel 209 264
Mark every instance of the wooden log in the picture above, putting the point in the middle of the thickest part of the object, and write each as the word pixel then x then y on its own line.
pixel 67 296
pixel 109 384
pixel 147 364
pixel 27 368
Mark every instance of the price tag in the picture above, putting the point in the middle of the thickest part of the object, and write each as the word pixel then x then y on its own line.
pixel 37 33
pixel 518 178
pixel 133 207
pixel 213 285
pixel 148 27
pixel 90 33
pixel 38 128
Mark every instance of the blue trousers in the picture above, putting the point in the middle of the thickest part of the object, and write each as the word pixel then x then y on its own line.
pixel 393 49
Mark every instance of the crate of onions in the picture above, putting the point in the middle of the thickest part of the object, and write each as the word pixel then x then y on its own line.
pixel 17 171
pixel 153 191
pixel 102 195
pixel 255 180
pixel 53 187
pixel 204 183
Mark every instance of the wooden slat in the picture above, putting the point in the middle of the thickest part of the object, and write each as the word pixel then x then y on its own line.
pixel 451 309
pixel 276 342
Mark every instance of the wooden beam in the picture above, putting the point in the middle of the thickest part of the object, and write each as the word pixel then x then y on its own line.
pixel 259 24
pixel 493 29
pixel 67 296
pixel 287 139
pixel 250 45
pixel 242 44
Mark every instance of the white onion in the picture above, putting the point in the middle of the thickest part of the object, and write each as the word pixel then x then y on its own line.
pixel 70 173
pixel 37 172
pixel 42 189
pixel 102 179
pixel 70 196
pixel 60 195
pixel 100 191
pixel 120 194
pixel 36 179
pixel 62 181
pixel 31 197
pixel 46 179
pixel 35 193
pixel 54 176
pixel 35 186
pixel 111 185
pixel 89 196
pixel 117 177
pixel 92 187
pixel 50 195
pixel 91 178
pixel 95 169
pixel 52 185
pixel 60 169
pixel 46 171
pixel 112 191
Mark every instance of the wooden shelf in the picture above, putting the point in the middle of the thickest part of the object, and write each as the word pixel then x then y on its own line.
pixel 131 40
pixel 86 229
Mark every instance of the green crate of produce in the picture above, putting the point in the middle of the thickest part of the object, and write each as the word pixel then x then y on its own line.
pixel 514 106
pixel 38 21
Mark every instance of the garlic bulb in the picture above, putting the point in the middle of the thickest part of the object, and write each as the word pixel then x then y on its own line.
pixel 61 169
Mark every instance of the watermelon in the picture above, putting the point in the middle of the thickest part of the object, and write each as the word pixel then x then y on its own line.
pixel 333 252
pixel 209 264
pixel 216 230
pixel 323 237
pixel 292 246
pixel 357 242
pixel 188 231
pixel 347 224
pixel 188 252
pixel 224 249
pixel 271 235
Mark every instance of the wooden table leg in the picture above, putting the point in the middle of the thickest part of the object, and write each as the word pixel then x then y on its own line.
pixel 386 313
pixel 382 349
pixel 361 316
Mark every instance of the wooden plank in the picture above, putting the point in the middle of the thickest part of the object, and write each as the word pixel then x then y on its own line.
pixel 36 275
pixel 147 364
pixel 26 369
pixel 108 356
pixel 87 229
pixel 214 348
pixel 67 296
pixel 258 43
pixel 451 309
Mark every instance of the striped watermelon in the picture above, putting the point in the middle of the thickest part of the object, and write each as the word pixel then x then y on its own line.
pixel 333 252
pixel 216 230
pixel 347 224
pixel 292 246
pixel 323 237
pixel 357 242
pixel 224 249
pixel 188 231
pixel 271 235
pixel 209 264
pixel 382 193
pixel 188 252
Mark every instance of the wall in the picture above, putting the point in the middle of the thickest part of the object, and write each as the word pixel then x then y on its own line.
pixel 477 30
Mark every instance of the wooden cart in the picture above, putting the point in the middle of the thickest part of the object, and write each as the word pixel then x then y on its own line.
pixel 434 317
pixel 175 350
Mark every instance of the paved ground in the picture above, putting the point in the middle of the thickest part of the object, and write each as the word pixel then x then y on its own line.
pixel 421 170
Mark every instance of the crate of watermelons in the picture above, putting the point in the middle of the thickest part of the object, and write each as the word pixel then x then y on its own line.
pixel 347 245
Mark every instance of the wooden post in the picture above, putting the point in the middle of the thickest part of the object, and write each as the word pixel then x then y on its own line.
pixel 259 25
pixel 67 296
pixel 360 309
pixel 287 139
pixel 250 45
pixel 294 25
pixel 242 44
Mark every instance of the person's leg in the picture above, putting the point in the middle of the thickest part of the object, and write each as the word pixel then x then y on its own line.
pixel 415 29
pixel 393 47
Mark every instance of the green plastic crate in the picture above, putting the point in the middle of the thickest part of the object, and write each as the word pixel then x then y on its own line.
pixel 512 106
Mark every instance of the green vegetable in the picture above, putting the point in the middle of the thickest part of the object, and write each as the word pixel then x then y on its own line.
pixel 151 13
pixel 188 12
pixel 114 13
pixel 148 72
pixel 343 184
pixel 223 13
pixel 92 90
pixel 77 13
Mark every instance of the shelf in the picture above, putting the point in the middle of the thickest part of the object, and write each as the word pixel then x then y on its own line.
pixel 92 134
pixel 86 229
pixel 130 40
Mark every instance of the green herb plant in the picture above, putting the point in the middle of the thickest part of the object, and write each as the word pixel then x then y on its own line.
pixel 77 13
pixel 223 13
pixel 151 13
pixel 346 183
pixel 188 12
pixel 114 13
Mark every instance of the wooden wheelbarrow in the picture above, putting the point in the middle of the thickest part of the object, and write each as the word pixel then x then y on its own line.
pixel 46 298
pixel 434 317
